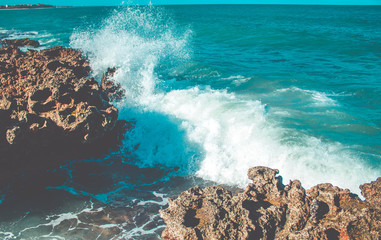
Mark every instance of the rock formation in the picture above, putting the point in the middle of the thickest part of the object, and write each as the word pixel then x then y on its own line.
pixel 20 42
pixel 49 107
pixel 26 6
pixel 115 92
pixel 269 210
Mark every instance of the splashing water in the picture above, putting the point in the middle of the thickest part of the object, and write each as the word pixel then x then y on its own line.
pixel 136 41
pixel 215 134
pixel 139 41
pixel 200 114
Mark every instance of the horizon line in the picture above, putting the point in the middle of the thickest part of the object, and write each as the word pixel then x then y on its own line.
pixel 206 4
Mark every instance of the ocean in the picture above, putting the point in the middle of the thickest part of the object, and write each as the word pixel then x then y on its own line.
pixel 211 90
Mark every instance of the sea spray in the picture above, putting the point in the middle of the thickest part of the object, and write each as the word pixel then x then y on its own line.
pixel 236 134
pixel 215 134
pixel 139 42
pixel 214 91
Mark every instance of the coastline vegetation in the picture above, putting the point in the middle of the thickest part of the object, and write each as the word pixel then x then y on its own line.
pixel 26 6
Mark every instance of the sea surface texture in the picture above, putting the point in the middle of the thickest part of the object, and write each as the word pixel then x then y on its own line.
pixel 211 91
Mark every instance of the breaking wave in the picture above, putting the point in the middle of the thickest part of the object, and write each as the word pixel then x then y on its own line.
pixel 214 134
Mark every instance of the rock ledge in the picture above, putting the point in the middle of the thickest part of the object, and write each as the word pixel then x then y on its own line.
pixel 269 210
pixel 49 108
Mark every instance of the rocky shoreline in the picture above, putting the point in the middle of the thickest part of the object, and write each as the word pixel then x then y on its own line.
pixel 50 109
pixel 26 6
pixel 267 209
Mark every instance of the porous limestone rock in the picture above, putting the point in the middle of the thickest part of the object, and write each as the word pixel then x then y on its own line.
pixel 267 209
pixel 49 106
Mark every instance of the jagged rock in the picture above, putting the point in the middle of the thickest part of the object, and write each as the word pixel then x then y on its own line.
pixel 20 42
pixel 372 192
pixel 269 210
pixel 115 92
pixel 49 107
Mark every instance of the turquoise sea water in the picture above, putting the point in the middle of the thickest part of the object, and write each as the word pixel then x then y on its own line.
pixel 212 90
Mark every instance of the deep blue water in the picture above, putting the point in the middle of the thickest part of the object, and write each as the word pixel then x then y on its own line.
pixel 212 90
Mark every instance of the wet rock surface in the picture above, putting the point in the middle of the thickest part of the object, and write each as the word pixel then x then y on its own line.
pixel 114 91
pixel 20 42
pixel 267 209
pixel 50 109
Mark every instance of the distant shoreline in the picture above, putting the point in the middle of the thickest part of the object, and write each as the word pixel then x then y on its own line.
pixel 26 6
pixel 43 6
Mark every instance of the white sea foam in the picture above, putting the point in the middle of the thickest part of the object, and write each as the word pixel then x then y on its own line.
pixel 56 226
pixel 12 34
pixel 213 133
pixel 317 99
pixel 235 135
pixel 164 200
pixel 135 41
pixel 7 235
pixel 51 223
pixel 46 39
pixel 238 80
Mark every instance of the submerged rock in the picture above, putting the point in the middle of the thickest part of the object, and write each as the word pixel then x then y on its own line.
pixel 267 209
pixel 49 108
pixel 20 42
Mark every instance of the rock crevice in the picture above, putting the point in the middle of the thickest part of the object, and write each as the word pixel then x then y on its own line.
pixel 50 107
pixel 267 209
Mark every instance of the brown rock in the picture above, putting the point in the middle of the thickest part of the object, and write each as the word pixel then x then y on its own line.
pixel 269 210
pixel 20 42
pixel 114 91
pixel 49 107
pixel 372 192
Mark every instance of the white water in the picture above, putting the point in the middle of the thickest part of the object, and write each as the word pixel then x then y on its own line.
pixel 214 134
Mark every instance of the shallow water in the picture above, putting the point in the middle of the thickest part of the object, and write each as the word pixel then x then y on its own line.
pixel 212 91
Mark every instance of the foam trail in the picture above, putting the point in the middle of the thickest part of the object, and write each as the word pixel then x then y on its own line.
pixel 317 99
pixel 215 134
pixel 236 134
